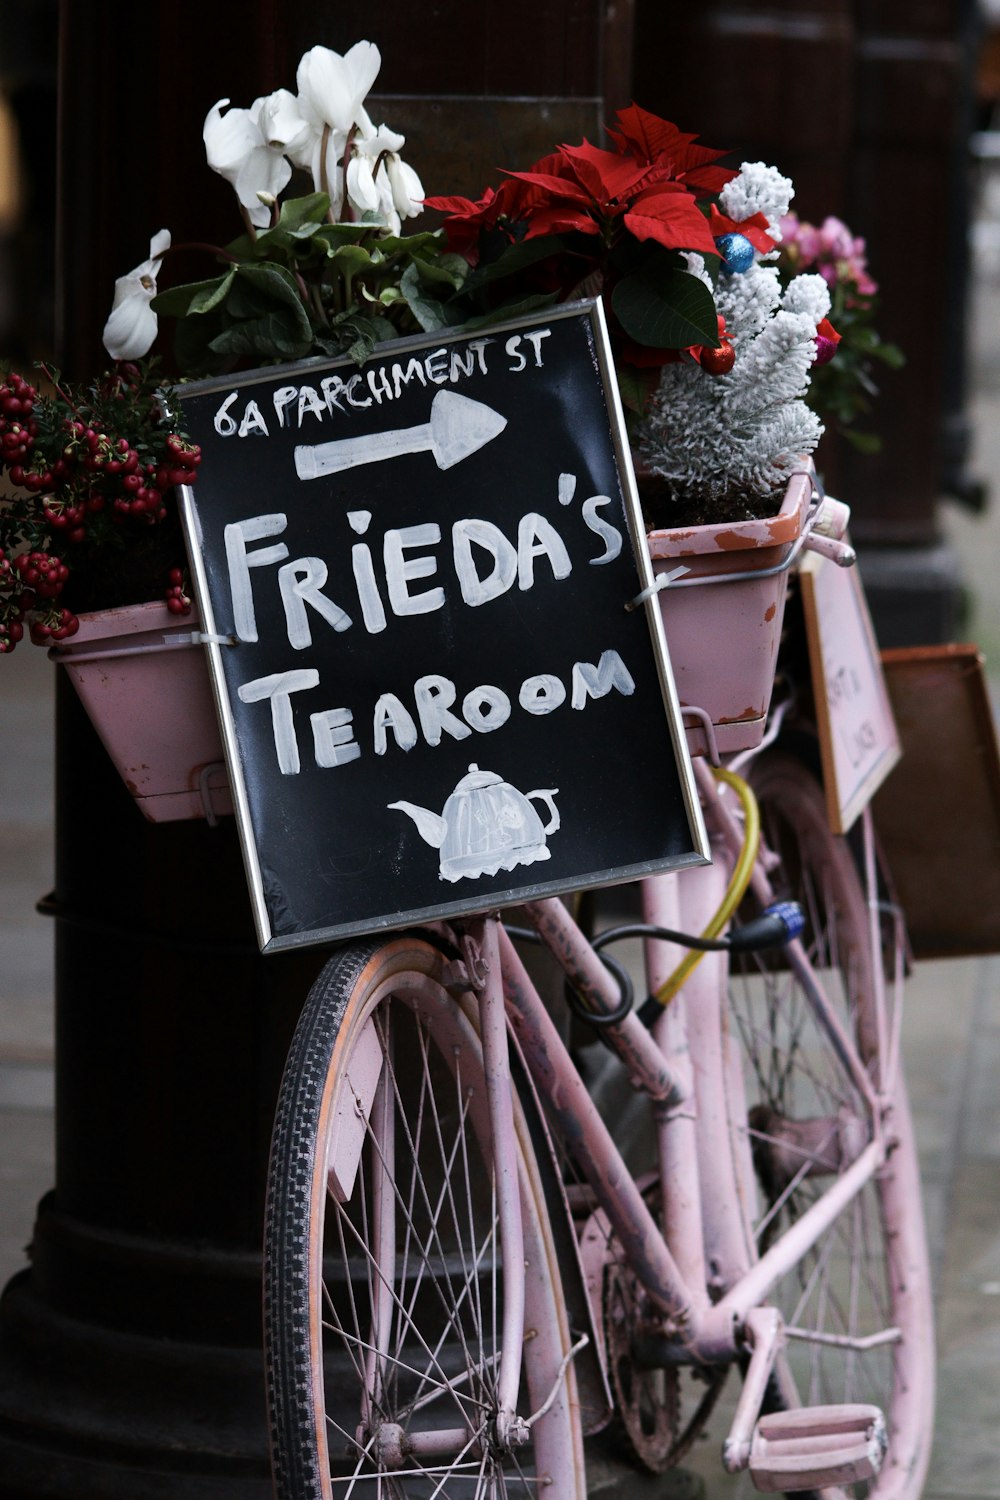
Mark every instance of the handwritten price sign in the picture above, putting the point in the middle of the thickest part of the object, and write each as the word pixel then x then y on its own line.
pixel 858 740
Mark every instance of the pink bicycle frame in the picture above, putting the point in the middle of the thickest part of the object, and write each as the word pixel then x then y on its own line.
pixel 699 1270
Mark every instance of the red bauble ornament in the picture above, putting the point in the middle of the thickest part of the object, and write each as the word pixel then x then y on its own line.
pixel 718 361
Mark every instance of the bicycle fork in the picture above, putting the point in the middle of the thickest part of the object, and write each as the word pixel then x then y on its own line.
pixel 482 952
pixel 482 975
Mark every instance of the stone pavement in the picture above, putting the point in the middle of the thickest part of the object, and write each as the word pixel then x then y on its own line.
pixel 951 1037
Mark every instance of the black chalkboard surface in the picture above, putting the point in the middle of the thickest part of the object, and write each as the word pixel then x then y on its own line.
pixel 432 696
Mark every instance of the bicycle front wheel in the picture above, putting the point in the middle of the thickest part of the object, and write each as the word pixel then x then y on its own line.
pixel 858 1305
pixel 383 1272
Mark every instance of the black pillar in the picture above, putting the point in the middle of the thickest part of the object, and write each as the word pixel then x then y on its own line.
pixel 130 1349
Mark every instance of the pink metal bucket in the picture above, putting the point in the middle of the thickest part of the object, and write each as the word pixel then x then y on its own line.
pixel 723 617
pixel 149 698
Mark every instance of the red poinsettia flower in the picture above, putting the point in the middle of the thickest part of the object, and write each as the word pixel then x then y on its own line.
pixel 592 203
pixel 467 220
pixel 585 188
pixel 607 175
pixel 755 229
pixel 670 215
pixel 648 186
pixel 673 152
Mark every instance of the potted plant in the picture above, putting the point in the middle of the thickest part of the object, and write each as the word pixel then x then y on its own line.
pixel 843 390
pixel 680 247
pixel 91 554
pixel 721 431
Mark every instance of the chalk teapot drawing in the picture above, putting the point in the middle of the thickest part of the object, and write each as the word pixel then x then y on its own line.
pixel 487 825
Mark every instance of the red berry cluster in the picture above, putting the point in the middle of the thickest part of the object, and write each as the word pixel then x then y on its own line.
pixel 85 465
pixel 11 613
pixel 178 598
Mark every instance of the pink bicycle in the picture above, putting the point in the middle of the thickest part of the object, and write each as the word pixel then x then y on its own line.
pixel 469 1271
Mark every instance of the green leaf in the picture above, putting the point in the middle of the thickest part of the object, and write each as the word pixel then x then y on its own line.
pixel 891 355
pixel 272 281
pixel 329 236
pixel 636 386
pixel 664 308
pixel 864 442
pixel 410 244
pixel 207 301
pixel 508 310
pixel 428 311
pixel 298 218
pixel 278 334
pixel 383 329
pixel 446 268
pixel 299 213
pixel 350 260
pixel 194 296
pixel 516 258
pixel 192 345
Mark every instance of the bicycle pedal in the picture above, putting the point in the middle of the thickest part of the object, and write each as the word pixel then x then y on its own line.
pixel 816 1446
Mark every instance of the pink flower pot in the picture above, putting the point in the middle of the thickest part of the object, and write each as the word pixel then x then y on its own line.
pixel 149 698
pixel 723 628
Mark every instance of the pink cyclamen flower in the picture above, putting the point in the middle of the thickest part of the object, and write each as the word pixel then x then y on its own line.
pixel 835 238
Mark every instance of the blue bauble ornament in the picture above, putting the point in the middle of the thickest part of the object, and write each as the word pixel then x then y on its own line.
pixel 736 251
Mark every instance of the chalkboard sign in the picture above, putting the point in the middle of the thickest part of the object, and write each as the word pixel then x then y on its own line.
pixel 857 732
pixel 413 575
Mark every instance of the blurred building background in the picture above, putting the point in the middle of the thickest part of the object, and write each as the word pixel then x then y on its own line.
pixel 868 105
pixel 883 113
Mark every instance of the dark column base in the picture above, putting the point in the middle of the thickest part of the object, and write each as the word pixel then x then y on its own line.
pixel 91 1412
pixel 131 1364
pixel 916 595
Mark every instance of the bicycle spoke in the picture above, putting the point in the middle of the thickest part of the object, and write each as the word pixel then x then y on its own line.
pixel 388 1286
pixel 808 1041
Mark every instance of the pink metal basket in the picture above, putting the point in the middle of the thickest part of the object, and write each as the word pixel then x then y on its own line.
pixel 146 688
pixel 723 618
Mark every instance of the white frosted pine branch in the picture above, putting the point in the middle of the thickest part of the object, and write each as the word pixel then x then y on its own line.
pixel 713 435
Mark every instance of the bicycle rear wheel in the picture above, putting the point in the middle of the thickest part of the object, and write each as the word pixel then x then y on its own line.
pixel 859 1304
pixel 383 1274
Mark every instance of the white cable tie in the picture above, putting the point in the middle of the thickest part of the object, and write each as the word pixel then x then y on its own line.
pixel 200 638
pixel 662 581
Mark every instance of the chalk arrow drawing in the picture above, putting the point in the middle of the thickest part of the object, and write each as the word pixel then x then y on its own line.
pixel 457 428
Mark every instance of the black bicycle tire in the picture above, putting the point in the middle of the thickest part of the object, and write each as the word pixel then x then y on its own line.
pixel 292 1409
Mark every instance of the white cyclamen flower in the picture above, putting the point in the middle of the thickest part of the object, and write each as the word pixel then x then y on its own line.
pixel 407 189
pixel 250 148
pixel 379 182
pixel 132 324
pixel 332 91
pixel 366 149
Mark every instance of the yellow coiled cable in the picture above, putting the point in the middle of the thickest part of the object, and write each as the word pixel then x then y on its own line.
pixel 738 882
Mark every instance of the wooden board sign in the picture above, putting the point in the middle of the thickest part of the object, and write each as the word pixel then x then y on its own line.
pixel 938 816
pixel 413 575
pixel 858 741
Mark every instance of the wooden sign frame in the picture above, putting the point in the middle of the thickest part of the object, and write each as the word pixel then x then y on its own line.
pixel 938 817
pixel 314 474
pixel 859 744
